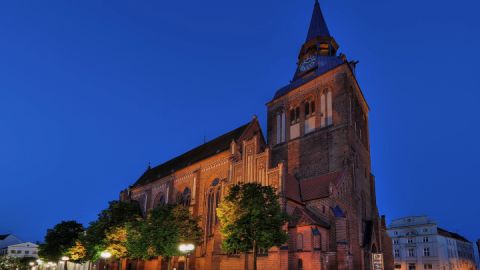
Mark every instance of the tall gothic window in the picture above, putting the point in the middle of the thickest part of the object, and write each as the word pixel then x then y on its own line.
pixel 326 108
pixel 299 241
pixel 317 239
pixel 280 118
pixel 213 200
pixel 159 200
pixel 187 197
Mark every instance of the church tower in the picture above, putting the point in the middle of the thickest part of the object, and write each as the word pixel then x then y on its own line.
pixel 318 129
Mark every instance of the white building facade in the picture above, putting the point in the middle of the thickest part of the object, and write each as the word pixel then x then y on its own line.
pixel 7 240
pixel 22 250
pixel 418 243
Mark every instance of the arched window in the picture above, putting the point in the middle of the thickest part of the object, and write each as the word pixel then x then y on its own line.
pixel 299 242
pixel 159 200
pixel 280 118
pixel 294 115
pixel 317 239
pixel 300 264
pixel 309 108
pixel 326 108
pixel 187 197
pixel 213 200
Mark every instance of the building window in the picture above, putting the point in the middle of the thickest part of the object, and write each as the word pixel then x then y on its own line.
pixel 280 127
pixel 396 233
pixel 317 241
pixel 398 266
pixel 427 266
pixel 411 252
pixel 411 266
pixel 213 200
pixel 326 108
pixel 426 252
pixel 159 200
pixel 396 241
pixel 27 252
pixel 300 264
pixel 309 109
pixel 425 239
pixel 410 240
pixel 295 115
pixel 397 253
pixel 299 242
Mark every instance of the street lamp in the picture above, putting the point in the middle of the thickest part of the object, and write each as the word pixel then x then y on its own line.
pixel 105 255
pixel 187 249
pixel 31 264
pixel 65 260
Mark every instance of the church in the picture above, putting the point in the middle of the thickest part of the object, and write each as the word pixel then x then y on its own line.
pixel 315 152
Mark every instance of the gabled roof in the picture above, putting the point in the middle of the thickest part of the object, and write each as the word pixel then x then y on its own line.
pixel 25 244
pixel 197 154
pixel 453 235
pixel 3 236
pixel 319 187
pixel 318 26
pixel 303 216
pixel 312 188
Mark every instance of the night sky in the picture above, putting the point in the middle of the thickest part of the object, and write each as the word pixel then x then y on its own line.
pixel 92 91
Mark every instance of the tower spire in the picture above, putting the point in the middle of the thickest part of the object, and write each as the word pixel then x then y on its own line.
pixel 320 48
pixel 318 26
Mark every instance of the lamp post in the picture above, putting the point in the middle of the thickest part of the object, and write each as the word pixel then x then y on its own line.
pixel 65 259
pixel 105 255
pixel 186 249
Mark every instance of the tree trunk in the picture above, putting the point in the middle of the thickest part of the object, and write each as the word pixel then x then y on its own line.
pixel 254 254
pixel 169 267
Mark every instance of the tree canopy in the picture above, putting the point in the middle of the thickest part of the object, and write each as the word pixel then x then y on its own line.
pixel 60 239
pixel 251 218
pixel 165 228
pixel 117 215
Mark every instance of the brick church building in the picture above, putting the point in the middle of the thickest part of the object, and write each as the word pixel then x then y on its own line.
pixel 316 152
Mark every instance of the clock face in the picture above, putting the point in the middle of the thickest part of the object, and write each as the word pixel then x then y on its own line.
pixel 309 63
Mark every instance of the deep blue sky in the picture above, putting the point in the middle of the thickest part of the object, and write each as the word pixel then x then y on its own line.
pixel 91 91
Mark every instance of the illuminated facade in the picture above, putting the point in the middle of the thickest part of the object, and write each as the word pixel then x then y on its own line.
pixel 418 243
pixel 316 152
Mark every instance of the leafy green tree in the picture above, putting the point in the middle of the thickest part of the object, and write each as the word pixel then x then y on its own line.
pixel 60 239
pixel 251 218
pixel 165 228
pixel 117 215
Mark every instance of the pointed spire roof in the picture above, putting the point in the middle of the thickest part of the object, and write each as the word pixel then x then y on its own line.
pixel 318 27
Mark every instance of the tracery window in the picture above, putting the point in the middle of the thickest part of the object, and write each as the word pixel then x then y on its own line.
pixel 326 108
pixel 280 118
pixel 159 200
pixel 213 200
pixel 317 240
pixel 299 241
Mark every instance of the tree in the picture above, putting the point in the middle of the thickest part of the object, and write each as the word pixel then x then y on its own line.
pixel 251 218
pixel 165 228
pixel 77 252
pixel 59 240
pixel 115 242
pixel 117 215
